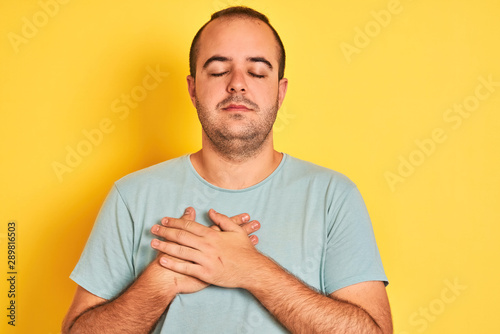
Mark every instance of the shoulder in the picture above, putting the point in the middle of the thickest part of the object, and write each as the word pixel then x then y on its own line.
pixel 158 174
pixel 312 173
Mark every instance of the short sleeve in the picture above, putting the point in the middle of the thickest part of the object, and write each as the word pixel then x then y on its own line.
pixel 352 255
pixel 106 265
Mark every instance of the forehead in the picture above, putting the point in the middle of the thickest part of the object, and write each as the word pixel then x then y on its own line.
pixel 238 38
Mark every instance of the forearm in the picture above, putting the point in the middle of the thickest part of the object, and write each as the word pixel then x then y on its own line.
pixel 303 310
pixel 136 310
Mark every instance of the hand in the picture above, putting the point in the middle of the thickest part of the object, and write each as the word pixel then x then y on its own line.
pixel 185 283
pixel 224 258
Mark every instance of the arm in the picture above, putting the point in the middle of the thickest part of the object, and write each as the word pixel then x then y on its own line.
pixel 135 311
pixel 359 308
pixel 224 259
pixel 139 307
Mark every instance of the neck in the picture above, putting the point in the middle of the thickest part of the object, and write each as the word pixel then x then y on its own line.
pixel 228 173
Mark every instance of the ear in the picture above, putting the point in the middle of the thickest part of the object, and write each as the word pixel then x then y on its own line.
pixel 192 89
pixel 282 87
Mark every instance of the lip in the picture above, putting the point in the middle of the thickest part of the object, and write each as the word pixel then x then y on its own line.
pixel 236 107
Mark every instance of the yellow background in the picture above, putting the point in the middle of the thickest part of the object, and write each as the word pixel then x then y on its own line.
pixel 357 112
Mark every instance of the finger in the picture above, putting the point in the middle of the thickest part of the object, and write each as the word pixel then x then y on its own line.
pixel 160 255
pixel 254 239
pixel 251 227
pixel 177 235
pixel 189 214
pixel 166 257
pixel 186 225
pixel 240 219
pixel 175 250
pixel 223 221
pixel 181 267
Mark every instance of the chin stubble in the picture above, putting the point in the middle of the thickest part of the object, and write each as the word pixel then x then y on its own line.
pixel 247 142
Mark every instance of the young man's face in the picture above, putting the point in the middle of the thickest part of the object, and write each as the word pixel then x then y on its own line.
pixel 236 91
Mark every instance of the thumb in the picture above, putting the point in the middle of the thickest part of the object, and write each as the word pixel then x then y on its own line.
pixel 224 222
pixel 189 214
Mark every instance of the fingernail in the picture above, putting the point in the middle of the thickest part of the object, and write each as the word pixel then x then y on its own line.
pixel 163 261
pixel 164 222
pixel 245 218
pixel 187 211
pixel 255 225
pixel 155 243
pixel 155 228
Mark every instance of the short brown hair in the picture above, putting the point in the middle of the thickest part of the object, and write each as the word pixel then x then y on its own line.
pixel 237 11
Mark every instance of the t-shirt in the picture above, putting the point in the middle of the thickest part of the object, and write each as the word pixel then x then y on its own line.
pixel 314 223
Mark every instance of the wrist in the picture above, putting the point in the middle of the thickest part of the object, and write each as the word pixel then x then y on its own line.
pixel 159 281
pixel 265 272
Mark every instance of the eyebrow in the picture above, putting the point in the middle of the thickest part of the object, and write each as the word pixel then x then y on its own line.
pixel 261 60
pixel 226 59
pixel 216 58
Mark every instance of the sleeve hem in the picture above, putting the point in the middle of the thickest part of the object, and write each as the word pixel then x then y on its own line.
pixel 354 280
pixel 90 288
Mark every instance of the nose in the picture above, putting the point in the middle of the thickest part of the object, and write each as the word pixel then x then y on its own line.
pixel 237 83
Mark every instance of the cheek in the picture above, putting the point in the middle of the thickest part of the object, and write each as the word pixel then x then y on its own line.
pixel 209 93
pixel 266 94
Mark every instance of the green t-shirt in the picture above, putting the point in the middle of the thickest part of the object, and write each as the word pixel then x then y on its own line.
pixel 313 221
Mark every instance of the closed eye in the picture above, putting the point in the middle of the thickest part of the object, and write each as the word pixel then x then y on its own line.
pixel 256 75
pixel 218 74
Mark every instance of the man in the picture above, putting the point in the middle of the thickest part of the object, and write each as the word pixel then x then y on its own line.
pixel 312 265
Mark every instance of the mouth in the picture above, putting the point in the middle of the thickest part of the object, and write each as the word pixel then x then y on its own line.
pixel 236 107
